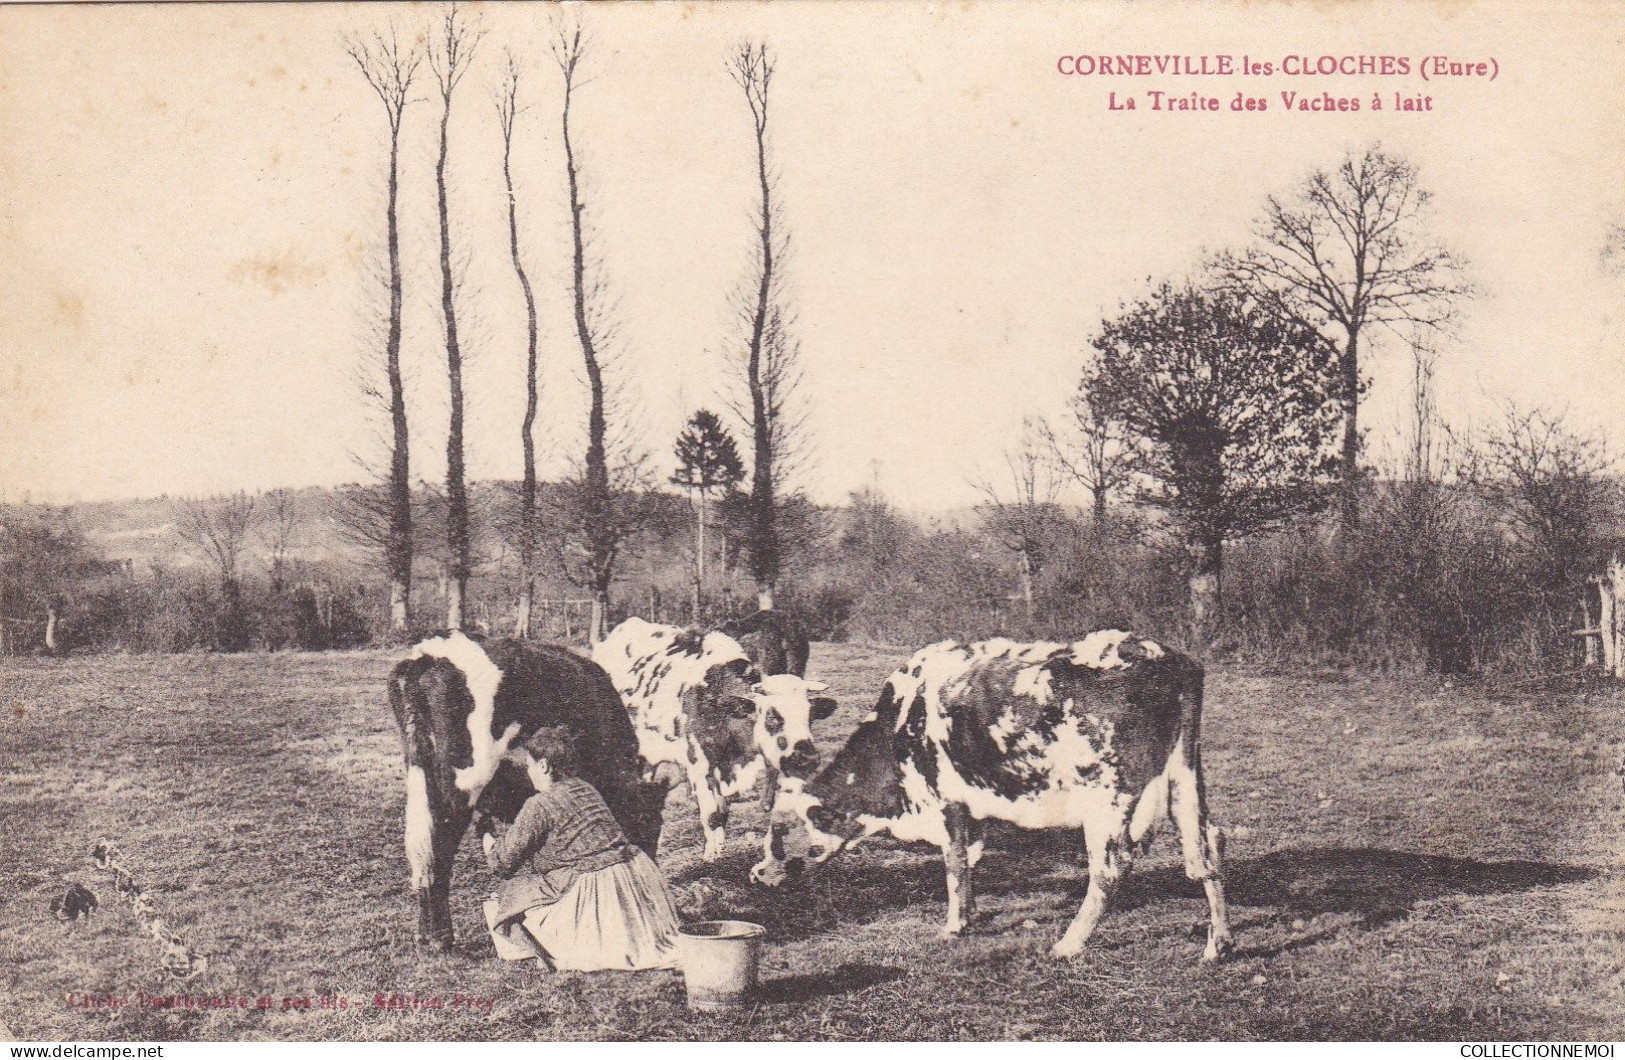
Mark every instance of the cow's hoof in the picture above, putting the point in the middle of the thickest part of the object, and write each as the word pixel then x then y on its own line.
pixel 1065 950
pixel 951 931
pixel 434 944
pixel 769 873
pixel 1218 948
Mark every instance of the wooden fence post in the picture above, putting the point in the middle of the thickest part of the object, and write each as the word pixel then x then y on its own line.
pixel 1613 622
pixel 1587 639
pixel 1605 623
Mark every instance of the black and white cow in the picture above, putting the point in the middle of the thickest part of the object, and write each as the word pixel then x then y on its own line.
pixel 1100 735
pixel 461 704
pixel 700 705
pixel 773 640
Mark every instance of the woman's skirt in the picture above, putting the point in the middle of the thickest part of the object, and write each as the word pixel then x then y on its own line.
pixel 619 918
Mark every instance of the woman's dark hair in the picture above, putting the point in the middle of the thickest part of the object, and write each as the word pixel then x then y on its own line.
pixel 556 745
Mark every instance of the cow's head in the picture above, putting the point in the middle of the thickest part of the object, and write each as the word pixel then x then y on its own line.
pixel 740 713
pixel 804 832
pixel 854 795
pixel 785 708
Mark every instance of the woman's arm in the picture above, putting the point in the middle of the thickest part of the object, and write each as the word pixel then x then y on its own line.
pixel 511 851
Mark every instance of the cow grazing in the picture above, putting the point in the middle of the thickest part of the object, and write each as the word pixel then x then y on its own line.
pixel 702 709
pixel 774 642
pixel 461 705
pixel 1101 735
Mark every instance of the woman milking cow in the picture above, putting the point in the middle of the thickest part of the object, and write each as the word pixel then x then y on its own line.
pixel 577 893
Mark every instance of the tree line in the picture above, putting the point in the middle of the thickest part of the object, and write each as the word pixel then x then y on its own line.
pixel 598 514
pixel 1225 406
pixel 1217 431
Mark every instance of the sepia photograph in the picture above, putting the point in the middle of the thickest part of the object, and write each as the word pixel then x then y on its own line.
pixel 897 520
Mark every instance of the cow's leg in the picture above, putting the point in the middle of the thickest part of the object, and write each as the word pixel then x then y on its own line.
pixel 1202 844
pixel 1148 811
pixel 1110 858
pixel 770 787
pixel 449 829
pixel 441 935
pixel 426 853
pixel 773 835
pixel 713 814
pixel 426 916
pixel 956 859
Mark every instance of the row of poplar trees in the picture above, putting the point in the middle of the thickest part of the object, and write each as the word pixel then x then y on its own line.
pixel 601 498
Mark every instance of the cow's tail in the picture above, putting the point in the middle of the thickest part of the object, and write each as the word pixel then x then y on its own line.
pixel 1191 681
pixel 1201 841
pixel 405 698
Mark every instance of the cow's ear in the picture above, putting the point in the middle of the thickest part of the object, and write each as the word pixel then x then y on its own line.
pixel 816 686
pixel 739 706
pixel 823 707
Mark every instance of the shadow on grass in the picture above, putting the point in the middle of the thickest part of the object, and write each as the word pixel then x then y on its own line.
pixel 1374 887
pixel 801 989
pixel 850 889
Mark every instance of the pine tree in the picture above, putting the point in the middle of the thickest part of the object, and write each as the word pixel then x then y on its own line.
pixel 707 462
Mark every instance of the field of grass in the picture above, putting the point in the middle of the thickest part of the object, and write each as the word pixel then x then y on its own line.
pixel 1407 860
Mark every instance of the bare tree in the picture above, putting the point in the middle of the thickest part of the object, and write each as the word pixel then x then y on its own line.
pixel 1020 510
pixel 390 70
pixel 1420 459
pixel 281 525
pixel 1550 484
pixel 45 561
pixel 771 358
pixel 450 56
pixel 601 508
pixel 217 530
pixel 1090 450
pixel 508 109
pixel 1349 250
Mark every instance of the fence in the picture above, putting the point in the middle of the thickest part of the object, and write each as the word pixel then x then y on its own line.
pixel 20 635
pixel 561 619
pixel 1605 637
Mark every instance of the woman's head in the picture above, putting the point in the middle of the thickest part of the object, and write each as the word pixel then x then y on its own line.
pixel 551 751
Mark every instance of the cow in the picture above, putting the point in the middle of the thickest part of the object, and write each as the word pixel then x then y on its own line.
pixel 1101 735
pixel 460 704
pixel 772 640
pixel 703 711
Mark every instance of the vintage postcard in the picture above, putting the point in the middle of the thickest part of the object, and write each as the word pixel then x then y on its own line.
pixel 813 521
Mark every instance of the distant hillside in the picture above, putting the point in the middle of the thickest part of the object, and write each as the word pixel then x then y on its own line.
pixel 145 531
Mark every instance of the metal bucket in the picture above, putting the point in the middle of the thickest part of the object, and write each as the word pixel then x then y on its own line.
pixel 719 962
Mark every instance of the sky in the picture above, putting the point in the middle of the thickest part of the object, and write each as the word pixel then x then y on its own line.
pixel 193 219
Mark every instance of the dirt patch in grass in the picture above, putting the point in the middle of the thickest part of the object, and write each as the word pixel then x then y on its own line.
pixel 1408 859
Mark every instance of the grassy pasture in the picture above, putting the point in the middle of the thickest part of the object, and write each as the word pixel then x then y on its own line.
pixel 1407 860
